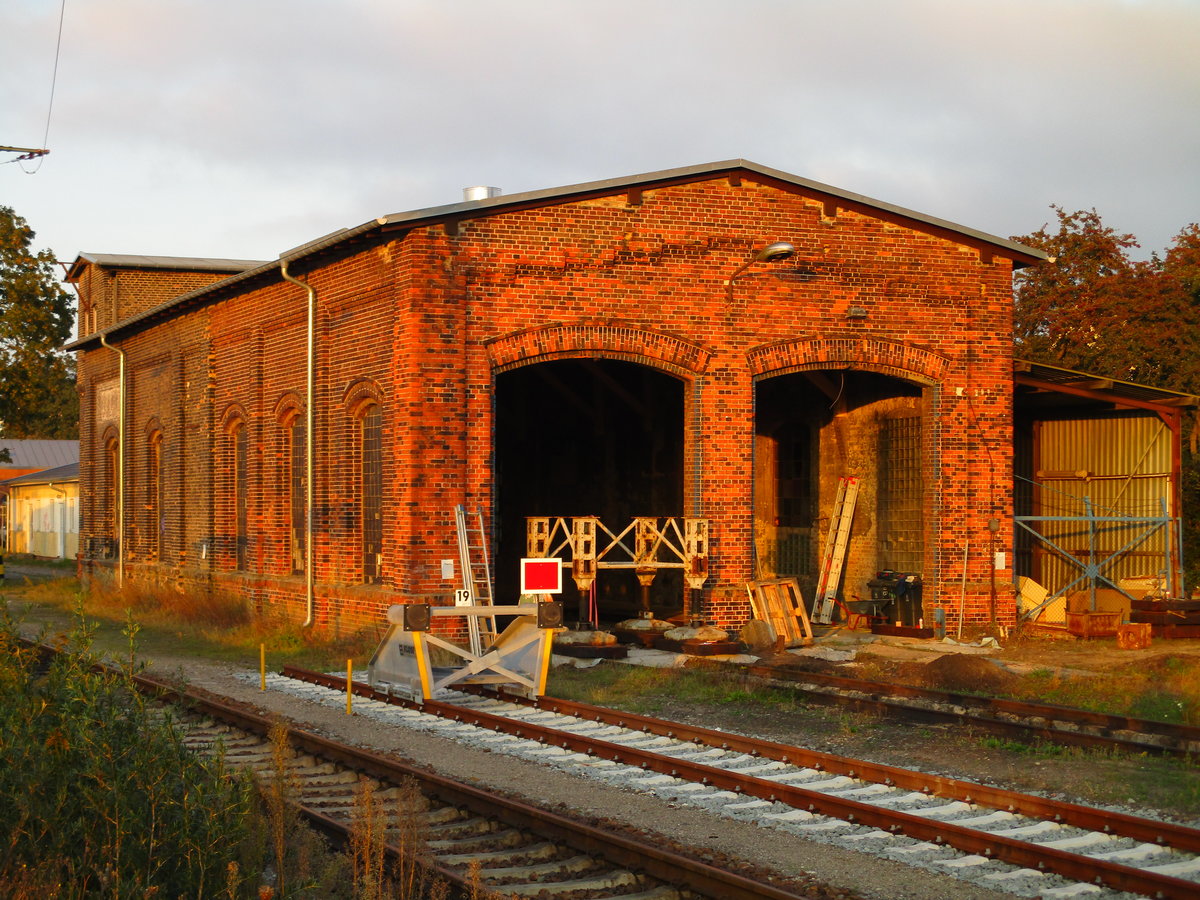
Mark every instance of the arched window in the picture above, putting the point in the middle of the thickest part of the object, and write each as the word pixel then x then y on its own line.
pixel 239 485
pixel 111 512
pixel 295 487
pixel 154 493
pixel 370 446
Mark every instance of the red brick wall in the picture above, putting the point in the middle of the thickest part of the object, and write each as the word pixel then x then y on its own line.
pixel 423 321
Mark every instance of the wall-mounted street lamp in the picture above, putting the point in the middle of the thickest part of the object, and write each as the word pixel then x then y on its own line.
pixel 770 253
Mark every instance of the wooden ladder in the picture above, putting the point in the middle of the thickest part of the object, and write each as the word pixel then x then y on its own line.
pixel 835 550
pixel 476 576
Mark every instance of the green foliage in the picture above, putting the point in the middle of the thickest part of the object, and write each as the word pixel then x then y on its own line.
pixel 36 318
pixel 1039 750
pixel 1093 307
pixel 1165 689
pixel 98 794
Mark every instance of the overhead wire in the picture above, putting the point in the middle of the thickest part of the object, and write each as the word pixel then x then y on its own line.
pixel 41 157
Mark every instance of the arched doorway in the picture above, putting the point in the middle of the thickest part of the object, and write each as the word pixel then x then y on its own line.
pixel 597 437
pixel 812 428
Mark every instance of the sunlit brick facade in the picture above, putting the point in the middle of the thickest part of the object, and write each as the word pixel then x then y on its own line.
pixel 744 401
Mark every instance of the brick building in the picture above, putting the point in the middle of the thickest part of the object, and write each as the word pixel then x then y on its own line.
pixel 612 349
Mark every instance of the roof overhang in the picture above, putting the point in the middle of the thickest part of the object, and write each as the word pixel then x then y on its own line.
pixel 1054 390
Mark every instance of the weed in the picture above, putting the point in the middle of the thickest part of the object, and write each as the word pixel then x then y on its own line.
pixel 218 626
pixel 98 794
pixel 368 842
pixel 1040 750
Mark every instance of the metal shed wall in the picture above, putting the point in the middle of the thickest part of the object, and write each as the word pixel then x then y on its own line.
pixel 1119 466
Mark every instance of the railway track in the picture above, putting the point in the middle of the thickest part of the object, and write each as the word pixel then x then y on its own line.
pixel 482 845
pixel 479 841
pixel 1013 719
pixel 1007 840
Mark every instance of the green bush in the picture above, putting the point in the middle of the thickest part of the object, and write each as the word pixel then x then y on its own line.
pixel 99 797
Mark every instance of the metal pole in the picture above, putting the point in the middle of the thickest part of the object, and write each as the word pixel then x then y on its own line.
pixel 309 402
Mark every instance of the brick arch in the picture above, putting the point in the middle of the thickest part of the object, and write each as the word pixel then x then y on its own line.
pixel 288 407
pixel 361 394
pixel 233 416
pixel 896 358
pixel 604 340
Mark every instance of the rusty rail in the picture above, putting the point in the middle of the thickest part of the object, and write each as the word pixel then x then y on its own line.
pixel 1071 865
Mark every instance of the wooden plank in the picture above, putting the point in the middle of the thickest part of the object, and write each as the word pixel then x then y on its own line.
pixel 778 602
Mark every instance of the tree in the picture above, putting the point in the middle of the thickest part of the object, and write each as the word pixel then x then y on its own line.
pixel 1092 307
pixel 36 319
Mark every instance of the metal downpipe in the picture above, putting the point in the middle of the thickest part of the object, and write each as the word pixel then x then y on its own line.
pixel 120 463
pixel 308 443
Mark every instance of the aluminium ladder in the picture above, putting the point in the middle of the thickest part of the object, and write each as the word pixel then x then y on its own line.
pixel 476 576
pixel 835 550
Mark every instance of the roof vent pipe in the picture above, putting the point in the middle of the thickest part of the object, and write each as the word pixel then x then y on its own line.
pixel 481 192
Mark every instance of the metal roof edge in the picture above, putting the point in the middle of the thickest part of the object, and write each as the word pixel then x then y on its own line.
pixel 1021 364
pixel 68 472
pixel 140 261
pixel 465 208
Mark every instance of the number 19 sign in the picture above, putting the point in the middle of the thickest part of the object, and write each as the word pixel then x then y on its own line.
pixel 541 576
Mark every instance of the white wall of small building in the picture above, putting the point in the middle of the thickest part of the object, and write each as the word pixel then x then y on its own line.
pixel 43 520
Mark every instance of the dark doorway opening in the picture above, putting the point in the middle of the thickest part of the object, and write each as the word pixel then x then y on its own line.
pixel 811 430
pixel 588 437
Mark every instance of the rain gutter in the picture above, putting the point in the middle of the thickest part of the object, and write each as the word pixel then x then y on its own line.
pixel 308 442
pixel 120 464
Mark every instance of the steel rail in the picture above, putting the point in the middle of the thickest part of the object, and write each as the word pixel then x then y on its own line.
pixel 663 865
pixel 1071 865
pixel 883 698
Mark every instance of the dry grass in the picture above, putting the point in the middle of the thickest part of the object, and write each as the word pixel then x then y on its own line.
pixel 1165 689
pixel 171 619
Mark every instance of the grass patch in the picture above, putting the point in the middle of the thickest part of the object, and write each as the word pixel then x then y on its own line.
pixel 1166 689
pixel 1037 750
pixel 216 627
pixel 646 690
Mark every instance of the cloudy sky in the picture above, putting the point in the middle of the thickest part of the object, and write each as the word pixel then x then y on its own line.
pixel 242 128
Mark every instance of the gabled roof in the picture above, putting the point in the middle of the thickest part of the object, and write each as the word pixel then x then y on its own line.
pixel 453 213
pixel 57 475
pixel 179 263
pixel 469 209
pixel 31 454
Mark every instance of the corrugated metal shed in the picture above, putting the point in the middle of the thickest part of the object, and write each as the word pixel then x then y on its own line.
pixel 1097 494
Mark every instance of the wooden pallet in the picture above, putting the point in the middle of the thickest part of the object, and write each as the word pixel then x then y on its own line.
pixel 777 602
